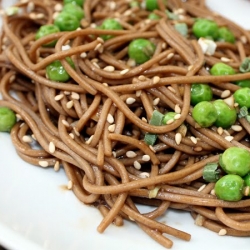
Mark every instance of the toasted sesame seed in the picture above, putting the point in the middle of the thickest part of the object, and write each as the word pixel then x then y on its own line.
pixel 22 124
pixel 229 101
pixel 75 96
pixel 43 164
pixel 70 185
pixel 114 153
pixel 138 93
pixel 130 100
pixel 89 140
pixel 125 71
pixel 58 7
pixel 229 138
pixel 225 59
pixel 110 119
pixel 137 165
pixel 170 121
pixel 55 14
pixel 170 55
pixel 220 130
pixel 146 158
pixel 142 78
pixel 236 128
pixel 105 84
pixel 144 119
pixel 112 5
pixel 52 147
pixel 32 15
pixel 131 62
pixel 177 116
pixel 193 139
pixel 30 7
pixel 171 89
pixel 99 39
pixel 246 190
pixel 212 192
pixel 57 166
pixel 12 78
pixel 98 46
pixel 27 138
pixel 226 132
pixel 111 128
pixel 131 154
pixel 144 175
pixel 236 104
pixel 33 136
pixel 156 79
pixel 66 47
pixel 19 117
pixel 190 67
pixel 178 138
pixel 59 97
pixel 66 92
pixel 177 109
pixel 69 104
pixel 201 188
pixel 109 68
pixel 127 13
pixel 40 16
pixel 72 135
pixel 96 65
pixel 76 132
pixel 65 123
pixel 243 39
pixel 93 25
pixel 199 220
pixel 164 46
pixel 198 149
pixel 83 55
pixel 226 93
pixel 152 148
pixel 156 101
pixel 222 232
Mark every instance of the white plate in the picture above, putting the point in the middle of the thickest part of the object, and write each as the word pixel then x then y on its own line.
pixel 37 213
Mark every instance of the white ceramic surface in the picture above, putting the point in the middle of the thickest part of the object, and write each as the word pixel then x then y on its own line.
pixel 37 213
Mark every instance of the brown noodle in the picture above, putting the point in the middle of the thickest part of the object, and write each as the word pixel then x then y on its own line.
pixel 88 127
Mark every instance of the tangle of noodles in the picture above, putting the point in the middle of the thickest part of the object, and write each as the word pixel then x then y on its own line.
pixel 90 126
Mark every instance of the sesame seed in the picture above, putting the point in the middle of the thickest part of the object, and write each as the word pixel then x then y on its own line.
pixel 89 140
pixel 12 78
pixel 138 93
pixel 246 190
pixel 55 14
pixel 110 119
pixel 142 78
pixel 170 121
pixel 171 89
pixel 76 132
pixel 144 175
pixel 146 158
pixel 109 68
pixel 193 139
pixel 236 105
pixel 212 192
pixel 178 138
pixel 201 188
pixel 229 138
pixel 137 165
pixel 131 154
pixel 220 130
pixel 58 7
pixel 52 147
pixel 96 65
pixel 243 39
pixel 43 164
pixel 132 219
pixel 198 149
pixel 236 128
pixel 130 100
pixel 105 84
pixel 127 13
pixel 57 166
pixel 70 185
pixel 30 7
pixel 226 132
pixel 40 16
pixel 66 92
pixel 156 79
pixel 111 128
pixel 125 71
pixel 75 96
pixel 93 25
pixel 32 16
pixel 98 46
pixel 83 55
pixel 99 39
pixel 59 97
pixel 65 123
pixel 22 124
pixel 33 136
pixel 72 135
pixel 69 104
pixel 164 46
pixel 152 148
pixel 66 47
pixel 177 116
pixel 229 101
pixel 222 232
pixel 144 119
pixel 225 59
pixel 170 55
pixel 156 101
pixel 112 5
pixel 27 138
pixel 114 153
pixel 19 117
pixel 225 93
pixel 131 62
pixel 177 109
pixel 190 67
pixel 199 220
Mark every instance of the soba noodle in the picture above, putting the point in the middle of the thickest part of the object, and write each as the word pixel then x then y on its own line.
pixel 94 124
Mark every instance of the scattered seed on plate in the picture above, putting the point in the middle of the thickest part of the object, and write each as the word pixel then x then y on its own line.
pixel 164 46
pixel 146 158
pixel 52 147
pixel 222 232
pixel 243 39
pixel 55 14
pixel 43 164
pixel 130 100
pixel 98 46
pixel 114 153
pixel 137 165
pixel 131 154
pixel 190 67
pixel 27 138
pixel 110 119
pixel 212 192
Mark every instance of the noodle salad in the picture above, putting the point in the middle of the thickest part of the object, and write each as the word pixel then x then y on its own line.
pixel 140 102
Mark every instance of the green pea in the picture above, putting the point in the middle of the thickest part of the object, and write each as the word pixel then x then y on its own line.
pixel 153 16
pixel 226 35
pixel 229 188
pixel 7 119
pixel 204 113
pixel 45 30
pixel 78 2
pixel 220 69
pixel 141 50
pixel 200 92
pixel 243 83
pixel 226 116
pixel 168 116
pixel 110 24
pixel 235 160
pixel 151 5
pixel 205 28
pixel 74 10
pixel 56 72
pixel 67 22
pixel 242 97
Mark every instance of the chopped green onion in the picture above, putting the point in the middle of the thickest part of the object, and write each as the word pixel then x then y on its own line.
pixel 155 120
pixel 243 112
pixel 182 28
pixel 245 65
pixel 211 173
